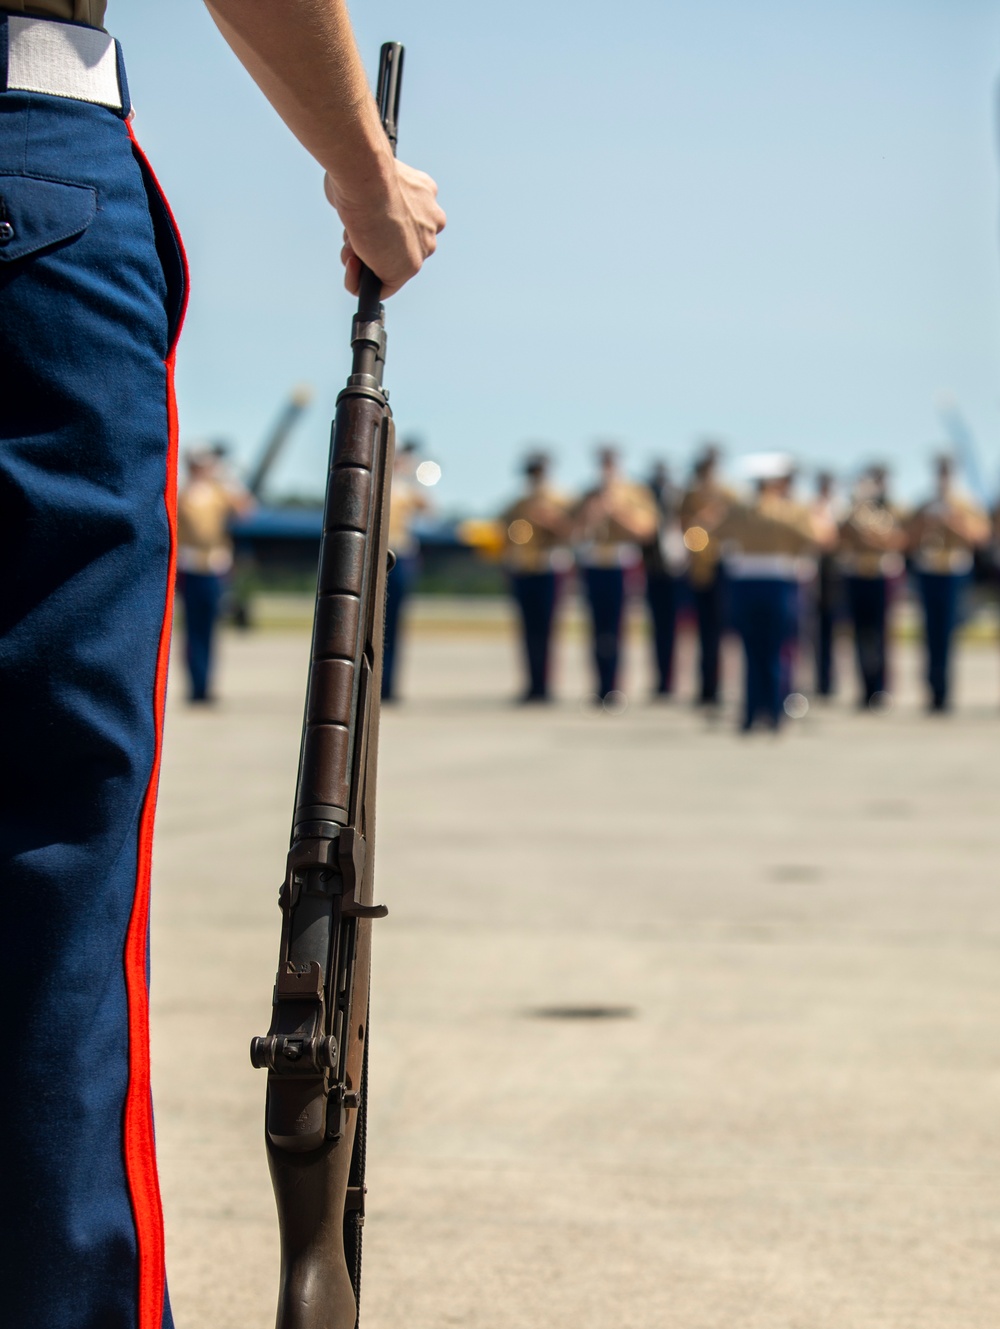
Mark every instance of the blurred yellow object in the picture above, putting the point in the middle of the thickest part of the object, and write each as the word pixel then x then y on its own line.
pixel 486 537
pixel 696 539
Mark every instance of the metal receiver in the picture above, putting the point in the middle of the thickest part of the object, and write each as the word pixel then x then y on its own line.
pixel 315 1051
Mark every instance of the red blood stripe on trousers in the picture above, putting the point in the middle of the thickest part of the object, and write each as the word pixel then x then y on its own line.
pixel 139 1143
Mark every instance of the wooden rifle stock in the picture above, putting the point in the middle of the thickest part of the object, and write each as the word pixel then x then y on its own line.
pixel 315 1051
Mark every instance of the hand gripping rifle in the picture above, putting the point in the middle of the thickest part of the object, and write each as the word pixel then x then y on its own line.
pixel 316 1051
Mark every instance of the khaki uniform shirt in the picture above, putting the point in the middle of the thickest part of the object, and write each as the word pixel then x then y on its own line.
pixel 940 549
pixel 203 543
pixel 82 11
pixel 702 545
pixel 530 547
pixel 768 537
pixel 606 542
pixel 864 548
pixel 405 502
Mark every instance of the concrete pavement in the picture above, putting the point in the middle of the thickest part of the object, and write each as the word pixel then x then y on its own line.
pixel 787 1118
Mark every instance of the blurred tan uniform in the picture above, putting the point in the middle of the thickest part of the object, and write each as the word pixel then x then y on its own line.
pixel 766 548
pixel 871 536
pixel 994 545
pixel 703 505
pixel 943 535
pixel 937 547
pixel 81 11
pixel 205 503
pixel 406 502
pixel 204 508
pixel 611 539
pixel 772 536
pixel 869 556
pixel 610 522
pixel 536 530
pixel 699 506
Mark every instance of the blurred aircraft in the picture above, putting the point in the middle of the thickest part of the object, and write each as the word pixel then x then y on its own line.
pixel 265 532
pixel 962 441
pixel 279 542
pixel 274 444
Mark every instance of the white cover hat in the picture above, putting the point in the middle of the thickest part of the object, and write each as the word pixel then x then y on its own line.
pixel 767 465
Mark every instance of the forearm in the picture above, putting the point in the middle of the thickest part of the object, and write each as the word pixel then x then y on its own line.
pixel 637 526
pixel 969 527
pixel 303 56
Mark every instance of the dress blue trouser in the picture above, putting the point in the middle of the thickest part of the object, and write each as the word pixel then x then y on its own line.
pixel 764 610
pixel 868 599
pixel 397 589
pixel 202 596
pixel 709 608
pixel 941 594
pixel 91 298
pixel 661 596
pixel 606 593
pixel 826 604
pixel 826 622
pixel 535 594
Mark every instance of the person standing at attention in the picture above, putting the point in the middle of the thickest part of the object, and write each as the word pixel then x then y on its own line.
pixel 610 522
pixel 205 506
pixel 664 560
pixel 702 508
pixel 765 542
pixel 826 597
pixel 406 503
pixel 943 535
pixel 94 289
pixel 870 558
pixel 536 530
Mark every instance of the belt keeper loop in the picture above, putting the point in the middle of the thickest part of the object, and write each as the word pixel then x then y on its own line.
pixel 126 111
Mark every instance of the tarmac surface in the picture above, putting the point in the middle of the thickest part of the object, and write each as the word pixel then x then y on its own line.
pixel 671 1029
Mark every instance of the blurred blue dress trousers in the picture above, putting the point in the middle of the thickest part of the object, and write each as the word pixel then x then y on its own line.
pixel 764 610
pixel 941 594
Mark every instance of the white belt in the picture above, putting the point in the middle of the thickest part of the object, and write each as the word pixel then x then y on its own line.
pixel 946 562
pixel 62 60
pixel 870 563
pixel 779 567
pixel 613 554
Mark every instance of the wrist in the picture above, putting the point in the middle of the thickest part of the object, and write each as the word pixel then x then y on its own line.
pixel 365 179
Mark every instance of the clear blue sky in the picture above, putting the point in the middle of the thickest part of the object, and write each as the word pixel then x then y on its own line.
pixel 773 223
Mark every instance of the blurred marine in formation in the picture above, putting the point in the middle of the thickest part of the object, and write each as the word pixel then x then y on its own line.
pixel 870 558
pixel 406 503
pixel 943 535
pixel 206 503
pixel 827 589
pixel 610 523
pixel 702 507
pixel 765 541
pixel 536 530
pixel 664 558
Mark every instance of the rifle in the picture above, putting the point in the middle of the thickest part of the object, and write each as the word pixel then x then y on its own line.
pixel 316 1051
